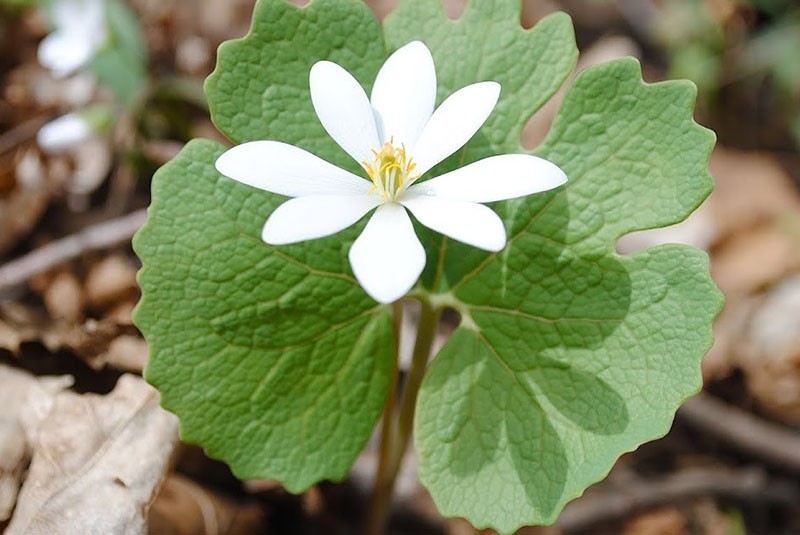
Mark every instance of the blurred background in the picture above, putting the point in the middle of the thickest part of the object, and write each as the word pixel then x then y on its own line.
pixel 84 124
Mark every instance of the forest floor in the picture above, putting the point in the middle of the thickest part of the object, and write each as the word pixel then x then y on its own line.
pixel 71 359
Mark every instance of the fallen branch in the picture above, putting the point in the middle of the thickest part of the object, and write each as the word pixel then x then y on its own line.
pixel 603 505
pixel 21 133
pixel 743 431
pixel 97 237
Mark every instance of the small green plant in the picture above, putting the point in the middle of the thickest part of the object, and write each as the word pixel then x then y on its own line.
pixel 101 38
pixel 278 351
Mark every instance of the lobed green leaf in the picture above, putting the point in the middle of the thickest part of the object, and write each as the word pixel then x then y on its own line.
pixel 274 364
pixel 568 354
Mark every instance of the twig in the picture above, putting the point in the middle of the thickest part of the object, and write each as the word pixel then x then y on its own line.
pixel 744 431
pixel 740 484
pixel 20 133
pixel 100 236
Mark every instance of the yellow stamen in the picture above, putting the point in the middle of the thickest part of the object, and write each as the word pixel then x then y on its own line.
pixel 390 171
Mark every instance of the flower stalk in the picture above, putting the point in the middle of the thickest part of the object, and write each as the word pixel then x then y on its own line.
pixel 398 423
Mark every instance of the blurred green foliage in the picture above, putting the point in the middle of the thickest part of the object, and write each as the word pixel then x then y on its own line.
pixel 748 43
pixel 121 65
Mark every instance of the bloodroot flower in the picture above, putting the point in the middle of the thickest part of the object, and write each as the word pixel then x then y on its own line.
pixel 64 133
pixel 80 31
pixel 396 137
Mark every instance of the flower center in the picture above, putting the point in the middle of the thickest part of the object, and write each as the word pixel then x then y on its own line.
pixel 390 171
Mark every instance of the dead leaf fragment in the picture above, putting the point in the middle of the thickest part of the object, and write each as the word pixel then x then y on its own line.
pixel 184 508
pixel 25 203
pixel 26 400
pixel 97 463
pixel 63 297
pixel 13 458
pixel 749 188
pixel 664 521
pixel 751 260
pixel 88 339
pixel 110 280
pixel 769 351
pixel 127 352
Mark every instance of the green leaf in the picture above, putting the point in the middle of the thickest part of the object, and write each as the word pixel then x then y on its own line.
pixel 259 89
pixel 274 360
pixel 568 354
pixel 488 43
pixel 120 65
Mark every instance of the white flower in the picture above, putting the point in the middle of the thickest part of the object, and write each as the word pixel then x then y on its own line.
pixel 396 137
pixel 80 31
pixel 64 133
pixel 74 129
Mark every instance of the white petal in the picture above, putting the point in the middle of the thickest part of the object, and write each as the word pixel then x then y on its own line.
pixel 387 258
pixel 77 14
pixel 64 133
pixel 64 52
pixel 404 94
pixel 315 216
pixel 496 178
pixel 454 122
pixel 287 170
pixel 467 222
pixel 344 110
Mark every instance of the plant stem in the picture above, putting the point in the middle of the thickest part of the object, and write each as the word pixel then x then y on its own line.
pixel 396 432
pixel 426 333
pixel 381 492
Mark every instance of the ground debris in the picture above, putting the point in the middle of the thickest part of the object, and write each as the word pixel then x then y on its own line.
pixel 112 449
pixel 26 400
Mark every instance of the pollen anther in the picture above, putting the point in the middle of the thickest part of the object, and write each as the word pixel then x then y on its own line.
pixel 390 171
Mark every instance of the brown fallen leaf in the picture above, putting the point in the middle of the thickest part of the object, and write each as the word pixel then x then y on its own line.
pixel 97 463
pixel 121 314
pixel 10 337
pixel 719 363
pixel 127 353
pixel 111 280
pixel 89 339
pixel 92 160
pixel 757 258
pixel 749 188
pixel 26 400
pixel 663 521
pixel 756 213
pixel 184 508
pixel 709 518
pixel 768 351
pixel 25 201
pixel 63 297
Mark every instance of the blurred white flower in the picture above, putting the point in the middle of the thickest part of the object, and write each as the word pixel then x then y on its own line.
pixel 80 30
pixel 73 129
pixel 396 136
pixel 64 133
pixel 83 137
